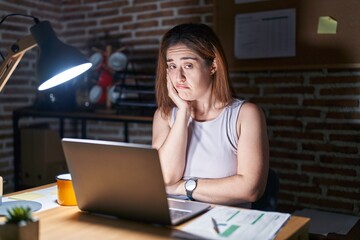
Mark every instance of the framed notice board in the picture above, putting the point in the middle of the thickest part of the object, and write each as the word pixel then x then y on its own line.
pixel 313 49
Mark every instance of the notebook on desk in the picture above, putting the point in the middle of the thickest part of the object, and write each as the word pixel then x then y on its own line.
pixel 123 180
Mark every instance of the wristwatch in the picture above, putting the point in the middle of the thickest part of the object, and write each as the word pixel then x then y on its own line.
pixel 190 186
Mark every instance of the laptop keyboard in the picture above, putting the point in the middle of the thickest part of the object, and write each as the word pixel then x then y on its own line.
pixel 175 213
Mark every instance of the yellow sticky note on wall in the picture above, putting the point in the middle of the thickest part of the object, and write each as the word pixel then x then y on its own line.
pixel 327 25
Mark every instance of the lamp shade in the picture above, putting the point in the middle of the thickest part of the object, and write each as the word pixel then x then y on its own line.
pixel 57 62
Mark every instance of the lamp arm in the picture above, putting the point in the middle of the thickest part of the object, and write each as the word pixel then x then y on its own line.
pixel 16 52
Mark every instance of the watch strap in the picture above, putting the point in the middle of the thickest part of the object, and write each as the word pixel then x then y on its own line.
pixel 189 193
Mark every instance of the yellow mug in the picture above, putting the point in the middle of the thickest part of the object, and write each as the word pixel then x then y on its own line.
pixel 65 191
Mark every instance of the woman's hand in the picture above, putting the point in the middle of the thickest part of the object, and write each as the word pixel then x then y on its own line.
pixel 174 95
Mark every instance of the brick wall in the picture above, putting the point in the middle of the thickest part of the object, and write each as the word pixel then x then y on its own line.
pixel 314 124
pixel 313 116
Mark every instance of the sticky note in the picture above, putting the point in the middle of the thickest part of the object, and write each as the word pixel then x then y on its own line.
pixel 327 25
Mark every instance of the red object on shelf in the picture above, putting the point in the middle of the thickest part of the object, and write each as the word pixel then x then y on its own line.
pixel 105 81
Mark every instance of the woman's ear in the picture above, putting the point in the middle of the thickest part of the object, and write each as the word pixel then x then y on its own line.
pixel 213 67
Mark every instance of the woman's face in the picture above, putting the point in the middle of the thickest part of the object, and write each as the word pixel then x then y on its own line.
pixel 188 73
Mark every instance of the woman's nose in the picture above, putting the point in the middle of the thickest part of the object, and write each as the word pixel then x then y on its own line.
pixel 180 77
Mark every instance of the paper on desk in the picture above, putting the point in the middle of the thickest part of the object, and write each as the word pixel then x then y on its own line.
pixel 235 223
pixel 27 196
pixel 324 223
pixel 47 197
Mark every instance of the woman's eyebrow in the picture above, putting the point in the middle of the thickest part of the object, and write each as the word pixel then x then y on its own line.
pixel 187 58
pixel 182 58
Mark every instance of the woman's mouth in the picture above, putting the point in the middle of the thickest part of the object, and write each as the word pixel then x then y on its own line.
pixel 179 86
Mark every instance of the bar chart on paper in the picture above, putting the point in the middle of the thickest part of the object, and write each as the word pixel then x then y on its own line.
pixel 223 222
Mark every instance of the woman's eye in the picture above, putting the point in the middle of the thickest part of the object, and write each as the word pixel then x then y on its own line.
pixel 170 67
pixel 188 66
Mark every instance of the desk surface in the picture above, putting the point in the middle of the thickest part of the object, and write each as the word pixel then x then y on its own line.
pixel 70 223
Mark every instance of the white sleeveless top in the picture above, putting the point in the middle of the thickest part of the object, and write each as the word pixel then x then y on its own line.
pixel 212 145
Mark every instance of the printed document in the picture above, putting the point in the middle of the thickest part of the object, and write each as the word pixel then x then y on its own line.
pixel 223 222
pixel 47 197
pixel 268 34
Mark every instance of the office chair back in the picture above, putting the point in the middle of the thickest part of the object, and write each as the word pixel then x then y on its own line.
pixel 268 201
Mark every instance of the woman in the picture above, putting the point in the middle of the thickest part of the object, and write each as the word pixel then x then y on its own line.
pixel 212 147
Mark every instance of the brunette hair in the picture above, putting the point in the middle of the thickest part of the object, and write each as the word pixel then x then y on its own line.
pixel 201 39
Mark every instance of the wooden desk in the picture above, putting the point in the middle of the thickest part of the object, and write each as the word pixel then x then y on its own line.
pixel 70 223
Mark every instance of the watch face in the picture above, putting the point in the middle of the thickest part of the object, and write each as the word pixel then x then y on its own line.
pixel 190 185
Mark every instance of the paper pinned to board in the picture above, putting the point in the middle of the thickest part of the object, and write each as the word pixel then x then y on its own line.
pixel 324 223
pixel 327 25
pixel 274 36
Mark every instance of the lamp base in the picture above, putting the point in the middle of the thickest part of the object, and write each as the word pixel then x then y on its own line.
pixel 34 206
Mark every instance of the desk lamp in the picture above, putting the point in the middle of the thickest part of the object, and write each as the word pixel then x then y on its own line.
pixel 57 62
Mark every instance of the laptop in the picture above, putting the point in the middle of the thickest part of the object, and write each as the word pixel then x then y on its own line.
pixel 124 180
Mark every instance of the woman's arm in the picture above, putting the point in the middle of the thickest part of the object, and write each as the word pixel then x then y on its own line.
pixel 171 144
pixel 253 163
